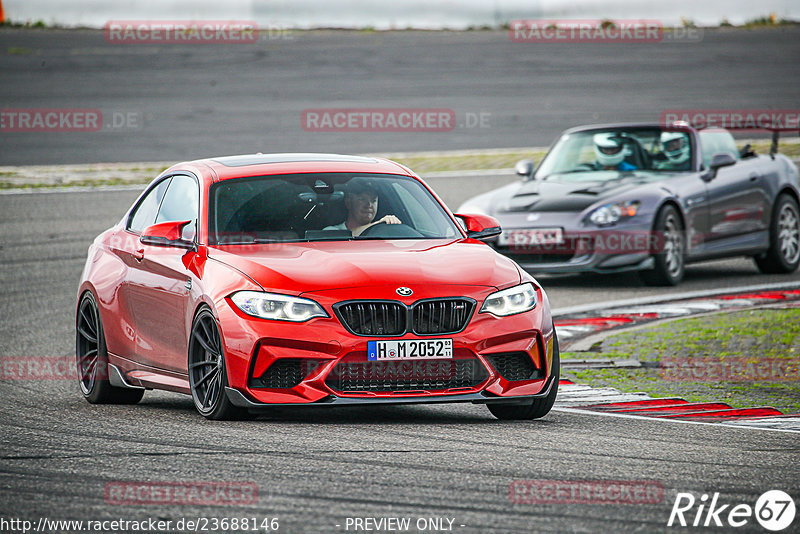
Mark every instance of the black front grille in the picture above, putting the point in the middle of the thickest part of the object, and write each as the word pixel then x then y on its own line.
pixel 374 318
pixel 390 318
pixel 515 366
pixel 409 375
pixel 444 316
pixel 284 373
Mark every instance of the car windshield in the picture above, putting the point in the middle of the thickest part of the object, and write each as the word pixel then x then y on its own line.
pixel 584 156
pixel 321 207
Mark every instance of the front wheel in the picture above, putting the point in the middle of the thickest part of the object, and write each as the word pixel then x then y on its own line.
pixel 536 408
pixel 207 374
pixel 783 255
pixel 92 358
pixel 670 260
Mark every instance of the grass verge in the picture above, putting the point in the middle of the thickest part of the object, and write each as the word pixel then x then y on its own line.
pixel 105 174
pixel 746 358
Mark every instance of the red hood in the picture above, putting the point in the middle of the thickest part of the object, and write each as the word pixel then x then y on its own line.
pixel 313 267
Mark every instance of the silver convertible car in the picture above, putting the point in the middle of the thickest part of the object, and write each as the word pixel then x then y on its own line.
pixel 647 198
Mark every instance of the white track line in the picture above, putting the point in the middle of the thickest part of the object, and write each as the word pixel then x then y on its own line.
pixel 572 396
pixel 643 418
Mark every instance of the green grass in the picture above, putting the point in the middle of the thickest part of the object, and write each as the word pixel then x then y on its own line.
pixel 462 162
pixel 18 51
pixel 767 22
pixel 740 338
pixel 421 163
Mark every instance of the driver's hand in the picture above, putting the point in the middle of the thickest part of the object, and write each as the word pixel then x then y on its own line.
pixel 390 219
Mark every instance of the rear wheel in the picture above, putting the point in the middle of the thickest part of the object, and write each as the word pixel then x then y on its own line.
pixel 207 374
pixel 536 408
pixel 670 261
pixel 783 255
pixel 92 358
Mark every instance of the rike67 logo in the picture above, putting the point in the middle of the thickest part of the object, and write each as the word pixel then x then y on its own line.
pixel 774 511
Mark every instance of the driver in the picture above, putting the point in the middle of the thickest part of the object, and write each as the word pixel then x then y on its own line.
pixel 610 153
pixel 675 147
pixel 361 201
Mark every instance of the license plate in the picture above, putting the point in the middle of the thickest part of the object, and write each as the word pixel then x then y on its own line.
pixel 410 349
pixel 532 237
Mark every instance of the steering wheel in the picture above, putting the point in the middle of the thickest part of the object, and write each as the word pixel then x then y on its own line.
pixel 390 230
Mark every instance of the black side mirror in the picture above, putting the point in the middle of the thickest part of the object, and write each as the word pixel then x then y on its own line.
pixel 525 168
pixel 718 161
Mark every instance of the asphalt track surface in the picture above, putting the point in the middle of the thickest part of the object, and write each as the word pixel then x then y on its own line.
pixel 193 101
pixel 315 468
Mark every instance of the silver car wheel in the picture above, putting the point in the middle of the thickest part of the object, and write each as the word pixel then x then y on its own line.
pixel 789 233
pixel 673 245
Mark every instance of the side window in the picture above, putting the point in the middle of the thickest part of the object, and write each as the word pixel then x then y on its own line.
pixel 145 213
pixel 181 203
pixel 412 197
pixel 712 143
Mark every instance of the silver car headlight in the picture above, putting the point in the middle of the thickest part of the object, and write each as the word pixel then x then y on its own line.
pixel 517 299
pixel 277 307
pixel 613 213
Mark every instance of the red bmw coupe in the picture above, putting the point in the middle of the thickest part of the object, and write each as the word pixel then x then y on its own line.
pixel 309 279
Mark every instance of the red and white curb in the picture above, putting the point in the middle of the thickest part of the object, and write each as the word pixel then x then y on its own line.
pixel 610 401
pixel 588 322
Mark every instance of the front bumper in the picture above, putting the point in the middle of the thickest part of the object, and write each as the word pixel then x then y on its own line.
pixel 237 398
pixel 628 246
pixel 594 263
pixel 254 346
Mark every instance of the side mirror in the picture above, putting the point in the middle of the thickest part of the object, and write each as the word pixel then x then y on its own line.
pixel 718 161
pixel 480 226
pixel 525 168
pixel 167 234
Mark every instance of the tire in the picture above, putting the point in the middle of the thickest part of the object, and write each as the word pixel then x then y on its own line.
pixel 535 408
pixel 207 371
pixel 91 358
pixel 670 261
pixel 783 255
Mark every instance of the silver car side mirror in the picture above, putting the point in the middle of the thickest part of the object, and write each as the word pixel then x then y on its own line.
pixel 525 168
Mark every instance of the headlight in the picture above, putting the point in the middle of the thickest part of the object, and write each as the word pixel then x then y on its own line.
pixel 511 301
pixel 612 213
pixel 277 307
